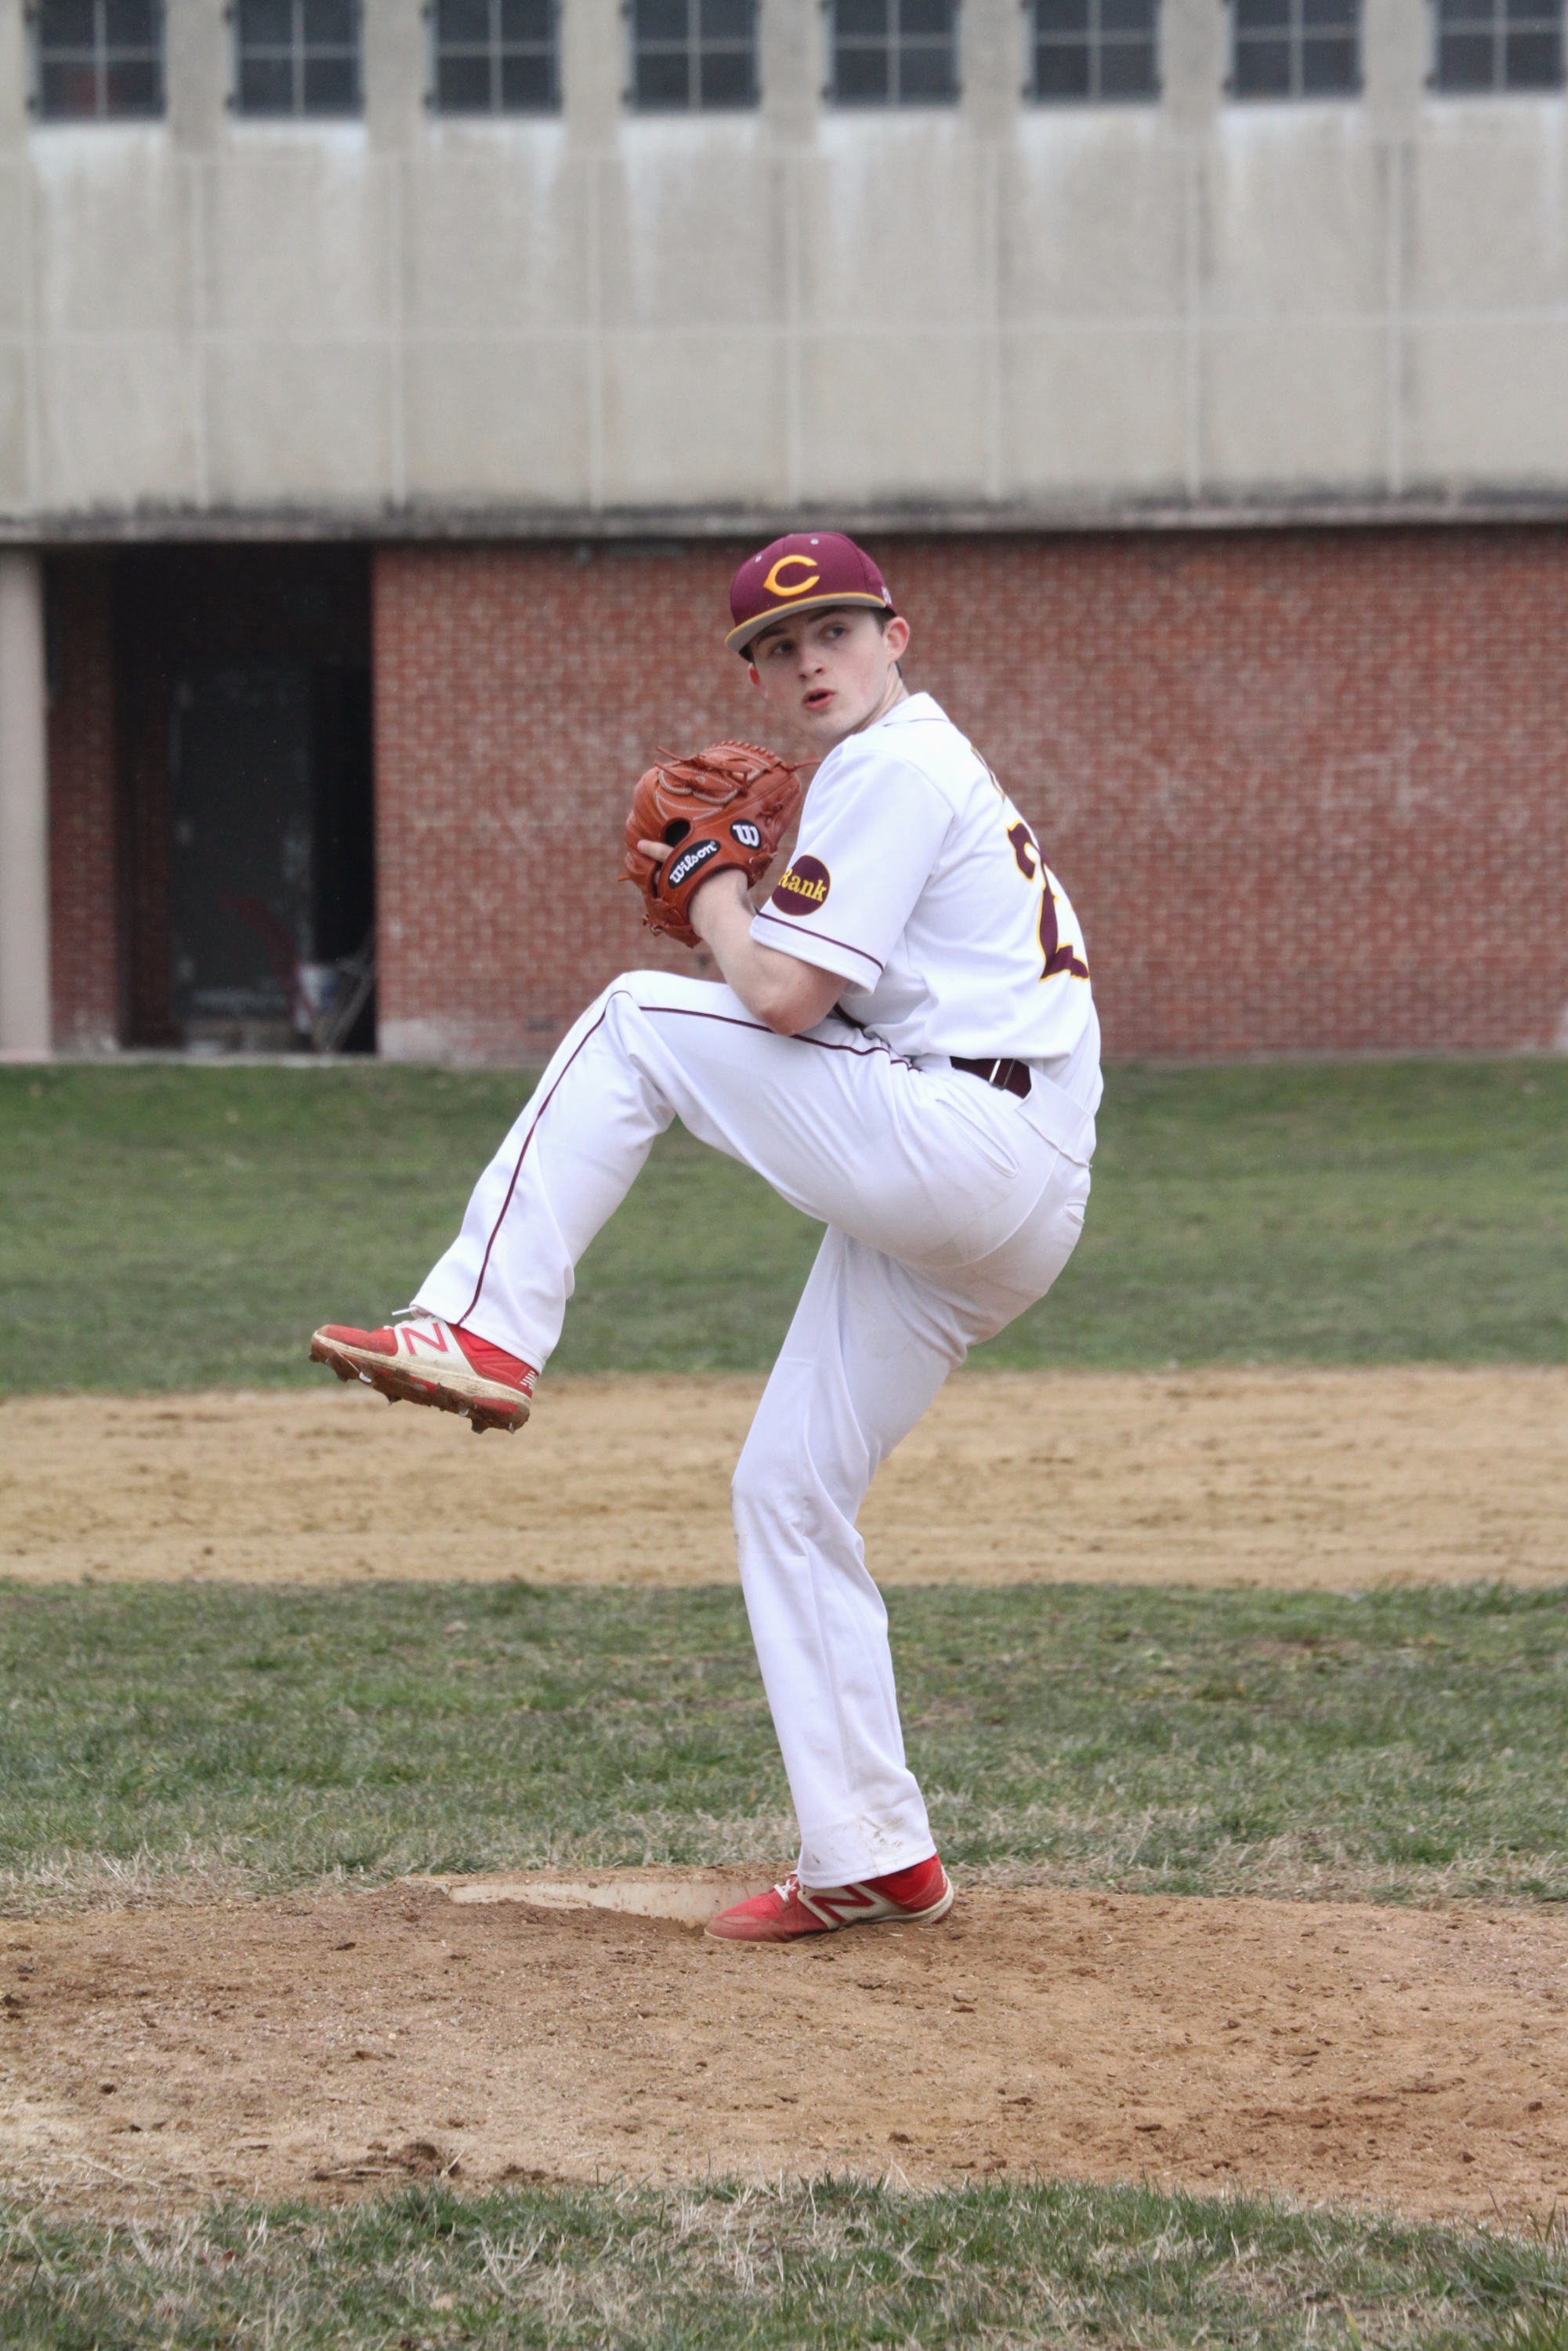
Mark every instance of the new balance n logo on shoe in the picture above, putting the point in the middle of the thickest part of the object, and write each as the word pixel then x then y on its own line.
pixel 424 1335
pixel 839 1906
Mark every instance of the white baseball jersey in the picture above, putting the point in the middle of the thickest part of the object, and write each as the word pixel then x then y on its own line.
pixel 915 877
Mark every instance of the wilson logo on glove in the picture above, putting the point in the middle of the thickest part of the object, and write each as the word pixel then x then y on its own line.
pixel 752 796
pixel 701 852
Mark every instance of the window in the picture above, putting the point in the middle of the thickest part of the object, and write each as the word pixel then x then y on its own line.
pixel 1296 48
pixel 1100 50
pixel 1499 44
pixel 297 56
pixel 894 52
pixel 495 56
pixel 692 53
pixel 98 60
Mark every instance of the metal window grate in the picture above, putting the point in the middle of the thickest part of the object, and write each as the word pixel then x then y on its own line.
pixel 495 56
pixel 894 52
pixel 1499 44
pixel 297 56
pixel 98 60
pixel 1296 48
pixel 688 54
pixel 1099 52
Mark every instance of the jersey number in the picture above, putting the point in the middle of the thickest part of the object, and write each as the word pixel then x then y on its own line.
pixel 1031 865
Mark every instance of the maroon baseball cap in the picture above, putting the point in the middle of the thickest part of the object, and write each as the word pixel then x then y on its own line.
pixel 801 573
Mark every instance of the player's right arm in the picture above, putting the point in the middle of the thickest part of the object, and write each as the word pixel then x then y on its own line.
pixel 785 994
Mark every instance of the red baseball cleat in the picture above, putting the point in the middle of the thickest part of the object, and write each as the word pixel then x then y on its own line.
pixel 421 1359
pixel 918 1896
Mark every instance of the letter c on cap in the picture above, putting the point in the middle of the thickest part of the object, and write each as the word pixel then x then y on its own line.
pixel 776 587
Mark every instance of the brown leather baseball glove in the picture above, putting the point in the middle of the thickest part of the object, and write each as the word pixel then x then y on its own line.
pixel 729 805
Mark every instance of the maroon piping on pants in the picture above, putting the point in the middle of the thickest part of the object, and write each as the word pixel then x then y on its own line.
pixel 485 1262
pixel 679 1012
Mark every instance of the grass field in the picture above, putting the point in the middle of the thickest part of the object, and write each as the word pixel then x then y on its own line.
pixel 1405 1743
pixel 834 2265
pixel 166 1228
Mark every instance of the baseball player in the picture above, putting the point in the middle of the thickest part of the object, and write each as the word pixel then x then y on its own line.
pixel 905 1044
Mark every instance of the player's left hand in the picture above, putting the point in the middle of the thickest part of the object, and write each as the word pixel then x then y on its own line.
pixel 722 809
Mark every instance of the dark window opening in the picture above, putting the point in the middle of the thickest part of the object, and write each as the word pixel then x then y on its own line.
pixel 690 55
pixel 98 60
pixel 243 680
pixel 894 53
pixel 1499 44
pixel 1296 48
pixel 495 56
pixel 271 899
pixel 1095 52
pixel 297 56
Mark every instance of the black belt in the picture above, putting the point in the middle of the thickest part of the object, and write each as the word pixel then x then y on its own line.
pixel 1013 1077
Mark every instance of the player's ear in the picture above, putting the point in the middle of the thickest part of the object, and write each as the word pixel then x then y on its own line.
pixel 895 636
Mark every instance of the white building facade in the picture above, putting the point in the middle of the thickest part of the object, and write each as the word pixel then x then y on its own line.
pixel 551 272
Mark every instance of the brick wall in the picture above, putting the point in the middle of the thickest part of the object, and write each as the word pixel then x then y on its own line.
pixel 1309 791
pixel 82 866
pixel 519 693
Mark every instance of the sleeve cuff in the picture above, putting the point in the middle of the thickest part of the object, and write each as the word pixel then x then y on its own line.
pixel 786 937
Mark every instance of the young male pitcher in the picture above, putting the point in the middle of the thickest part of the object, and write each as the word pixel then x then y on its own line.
pixel 905 1044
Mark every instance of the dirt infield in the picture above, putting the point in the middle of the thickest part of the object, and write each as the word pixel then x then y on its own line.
pixel 330 2045
pixel 1416 2059
pixel 1328 1479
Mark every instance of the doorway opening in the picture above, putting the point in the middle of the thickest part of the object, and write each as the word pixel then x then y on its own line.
pixel 249 797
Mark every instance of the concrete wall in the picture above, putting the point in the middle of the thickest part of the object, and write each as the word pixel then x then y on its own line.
pixel 994 313
pixel 24 808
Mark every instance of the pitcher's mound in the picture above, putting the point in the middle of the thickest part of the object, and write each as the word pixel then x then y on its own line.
pixel 324 2047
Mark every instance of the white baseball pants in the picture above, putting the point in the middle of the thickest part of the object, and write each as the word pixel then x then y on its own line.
pixel 947 1213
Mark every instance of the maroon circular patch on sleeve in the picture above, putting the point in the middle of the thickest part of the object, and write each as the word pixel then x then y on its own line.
pixel 802 887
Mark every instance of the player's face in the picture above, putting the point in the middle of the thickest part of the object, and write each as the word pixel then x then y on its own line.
pixel 830 673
